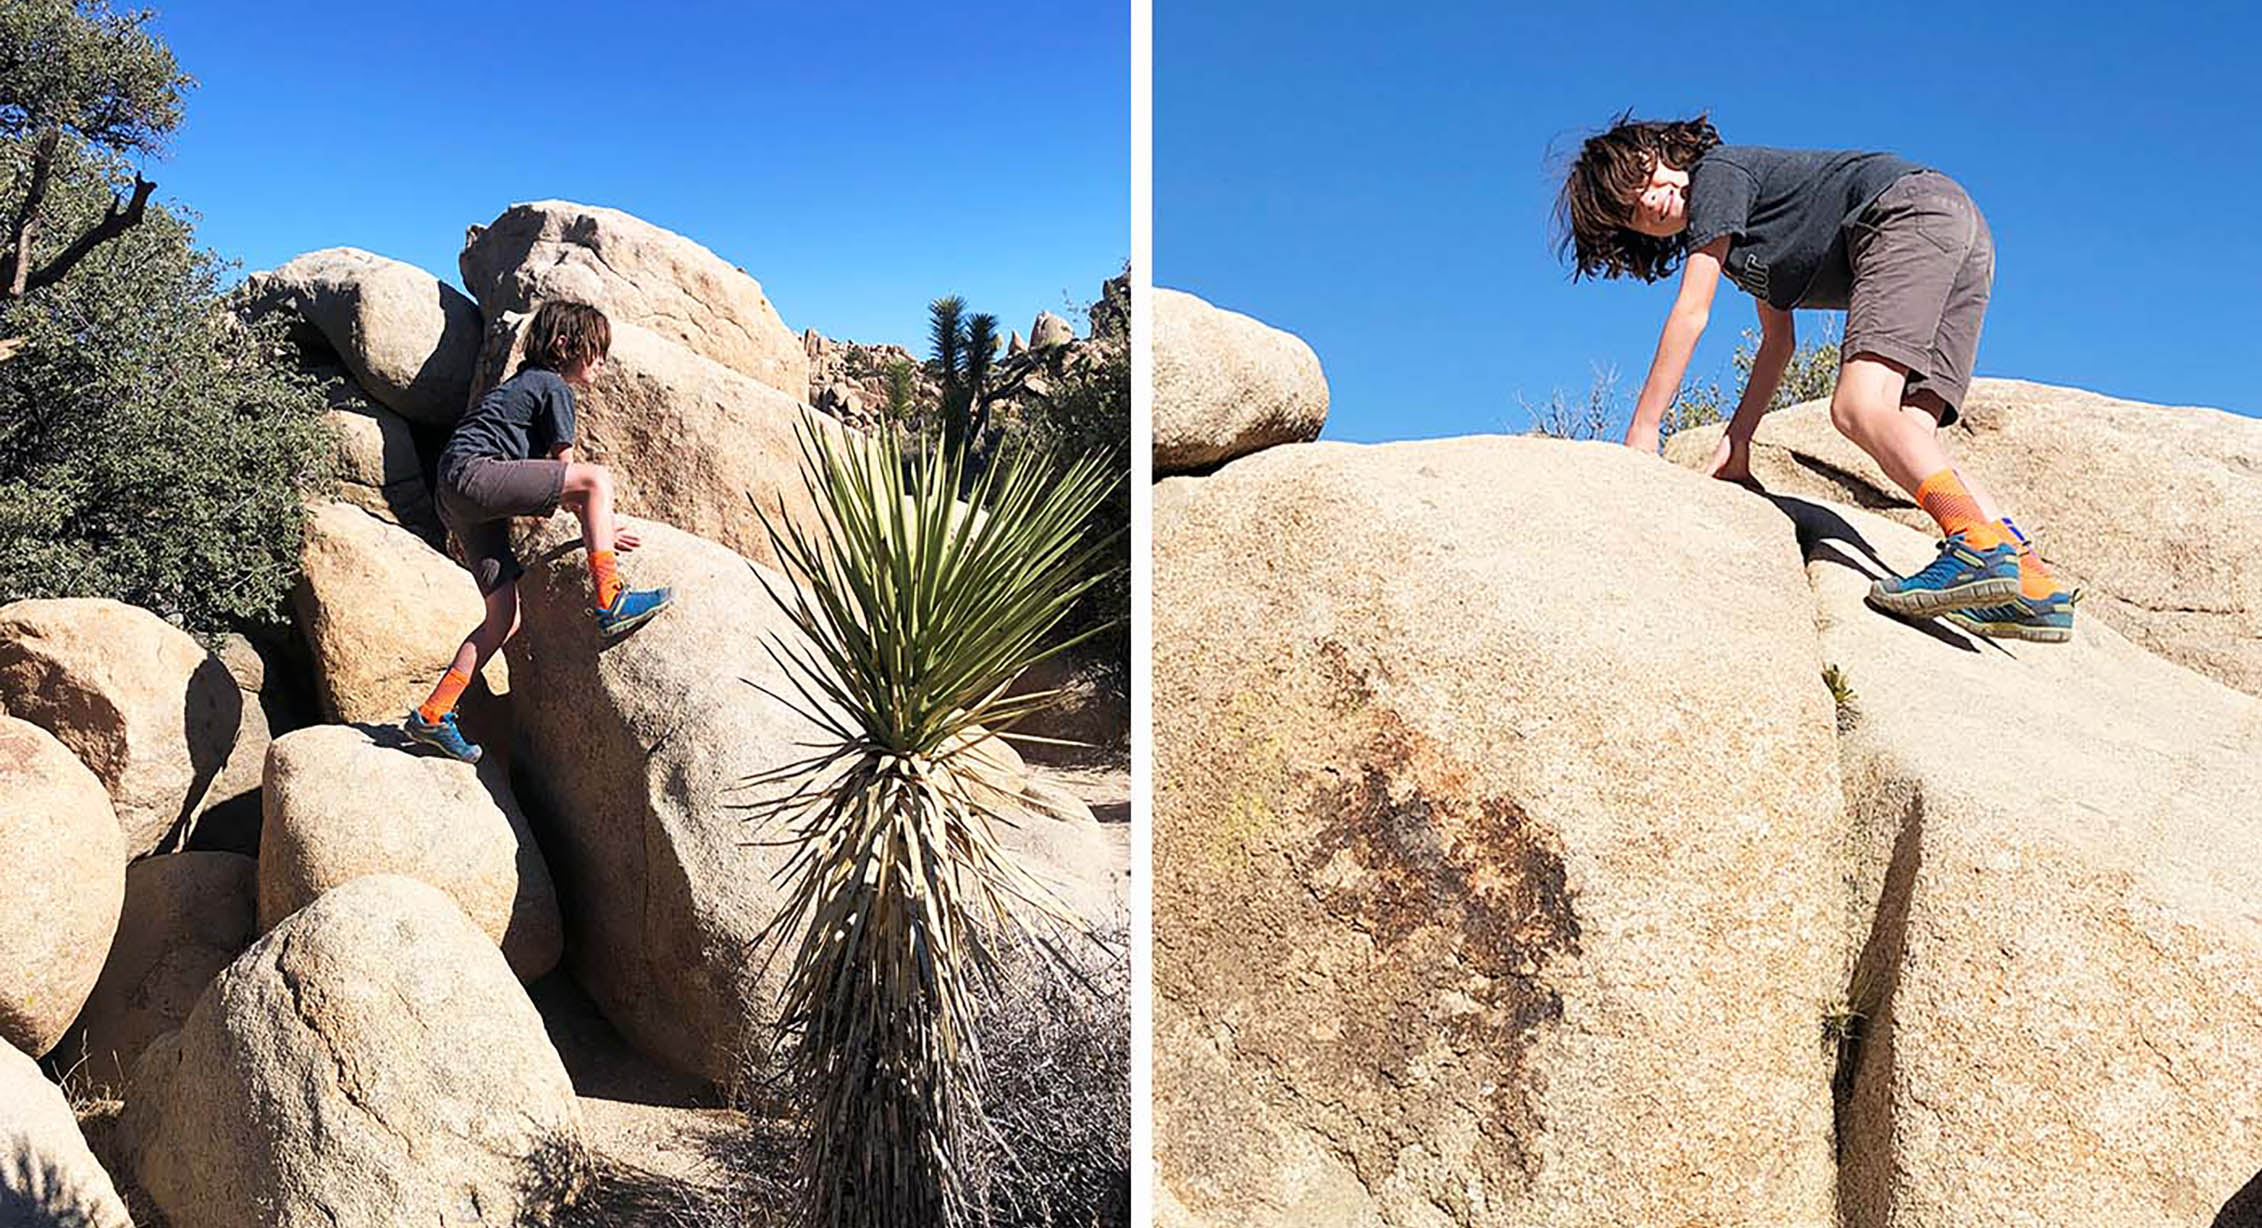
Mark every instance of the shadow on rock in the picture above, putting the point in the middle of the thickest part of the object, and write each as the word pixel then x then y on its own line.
pixel 34 1193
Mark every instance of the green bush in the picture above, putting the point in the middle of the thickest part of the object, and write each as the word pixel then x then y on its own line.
pixel 1088 413
pixel 149 451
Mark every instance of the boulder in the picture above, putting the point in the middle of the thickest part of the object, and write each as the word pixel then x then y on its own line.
pixel 382 613
pixel 2063 953
pixel 1226 385
pixel 637 752
pixel 186 916
pixel 689 441
pixel 370 1061
pixel 62 873
pixel 48 1176
pixel 1050 331
pixel 228 820
pixel 635 756
pixel 1015 345
pixel 343 801
pixel 409 338
pixel 1091 711
pixel 1497 842
pixel 637 274
pixel 136 698
pixel 2149 509
pixel 378 470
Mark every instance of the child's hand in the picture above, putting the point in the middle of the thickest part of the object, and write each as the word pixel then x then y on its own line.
pixel 625 541
pixel 1731 461
pixel 1641 440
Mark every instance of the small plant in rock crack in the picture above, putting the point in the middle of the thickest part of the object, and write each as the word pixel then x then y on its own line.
pixel 1842 1025
pixel 1841 694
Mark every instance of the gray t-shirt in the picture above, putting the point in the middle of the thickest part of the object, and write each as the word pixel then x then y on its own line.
pixel 1788 210
pixel 526 417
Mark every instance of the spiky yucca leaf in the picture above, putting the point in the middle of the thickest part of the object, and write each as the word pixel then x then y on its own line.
pixel 915 610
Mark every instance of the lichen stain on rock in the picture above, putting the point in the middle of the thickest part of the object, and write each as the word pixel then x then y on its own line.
pixel 1465 901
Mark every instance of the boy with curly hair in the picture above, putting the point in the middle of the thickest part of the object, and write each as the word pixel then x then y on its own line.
pixel 512 455
pixel 1899 248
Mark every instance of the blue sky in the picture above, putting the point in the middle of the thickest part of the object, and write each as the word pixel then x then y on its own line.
pixel 1376 179
pixel 857 162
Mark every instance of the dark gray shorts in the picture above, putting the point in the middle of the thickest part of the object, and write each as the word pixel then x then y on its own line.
pixel 1923 263
pixel 477 500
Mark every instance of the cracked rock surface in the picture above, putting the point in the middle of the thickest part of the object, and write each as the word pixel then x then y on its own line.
pixel 370 1061
pixel 1513 867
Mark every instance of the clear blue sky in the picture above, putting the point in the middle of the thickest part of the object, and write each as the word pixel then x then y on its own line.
pixel 857 160
pixel 1375 178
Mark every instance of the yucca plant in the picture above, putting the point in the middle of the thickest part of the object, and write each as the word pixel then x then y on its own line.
pixel 915 610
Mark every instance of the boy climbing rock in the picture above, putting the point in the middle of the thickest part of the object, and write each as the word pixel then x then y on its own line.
pixel 1899 248
pixel 512 455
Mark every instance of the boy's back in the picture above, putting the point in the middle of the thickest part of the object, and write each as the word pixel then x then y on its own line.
pixel 525 417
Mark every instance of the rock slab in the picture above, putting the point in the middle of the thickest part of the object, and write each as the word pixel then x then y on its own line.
pixel 48 1175
pixel 1496 844
pixel 408 338
pixel 2064 954
pixel 2151 510
pixel 382 613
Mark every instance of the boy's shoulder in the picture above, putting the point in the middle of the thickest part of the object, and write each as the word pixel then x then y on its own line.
pixel 538 381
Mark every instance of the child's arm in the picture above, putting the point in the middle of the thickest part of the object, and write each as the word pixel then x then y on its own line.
pixel 1692 308
pixel 1778 337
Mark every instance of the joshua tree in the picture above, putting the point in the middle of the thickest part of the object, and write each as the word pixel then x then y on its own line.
pixel 964 348
pixel 915 610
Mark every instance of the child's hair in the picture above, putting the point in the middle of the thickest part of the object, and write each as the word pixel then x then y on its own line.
pixel 565 335
pixel 1602 185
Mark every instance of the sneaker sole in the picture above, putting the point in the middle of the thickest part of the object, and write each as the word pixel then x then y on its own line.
pixel 1929 601
pixel 626 625
pixel 424 739
pixel 2011 631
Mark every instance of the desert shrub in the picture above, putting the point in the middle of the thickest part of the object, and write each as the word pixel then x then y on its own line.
pixel 1059 1096
pixel 149 451
pixel 1592 416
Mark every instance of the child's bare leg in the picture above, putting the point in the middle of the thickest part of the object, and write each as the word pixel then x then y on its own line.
pixel 589 493
pixel 485 640
pixel 1904 441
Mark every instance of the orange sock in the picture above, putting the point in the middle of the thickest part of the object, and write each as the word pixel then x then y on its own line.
pixel 2035 580
pixel 602 578
pixel 1943 497
pixel 444 696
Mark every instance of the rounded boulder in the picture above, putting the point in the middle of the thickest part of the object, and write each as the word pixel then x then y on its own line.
pixel 370 1061
pixel 63 877
pixel 343 801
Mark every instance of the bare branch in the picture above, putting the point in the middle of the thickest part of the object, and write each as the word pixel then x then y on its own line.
pixel 115 221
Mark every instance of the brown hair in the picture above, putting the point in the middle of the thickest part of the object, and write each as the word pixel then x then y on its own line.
pixel 565 335
pixel 1600 189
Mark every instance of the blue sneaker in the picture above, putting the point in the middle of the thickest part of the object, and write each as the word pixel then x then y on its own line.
pixel 441 735
pixel 2045 621
pixel 631 609
pixel 1962 577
